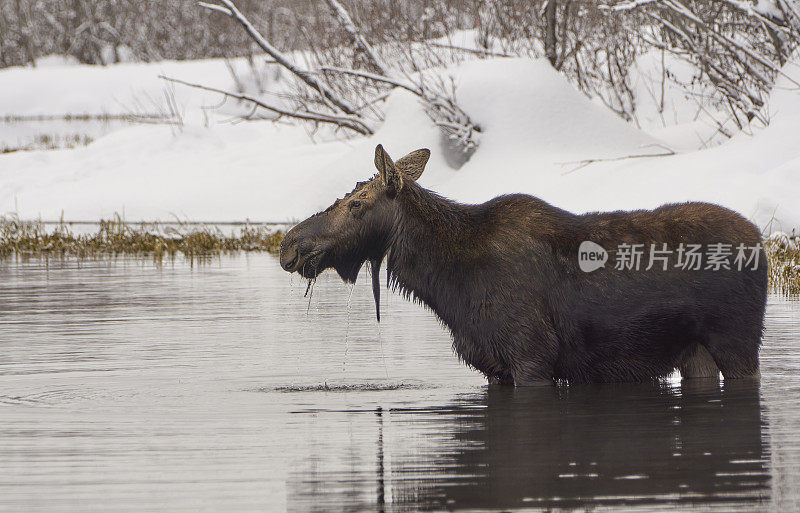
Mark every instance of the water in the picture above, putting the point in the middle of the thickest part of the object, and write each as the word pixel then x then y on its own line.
pixel 126 386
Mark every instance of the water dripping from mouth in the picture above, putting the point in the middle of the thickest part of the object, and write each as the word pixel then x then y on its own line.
pixel 375 269
pixel 347 327
pixel 309 287
pixel 383 356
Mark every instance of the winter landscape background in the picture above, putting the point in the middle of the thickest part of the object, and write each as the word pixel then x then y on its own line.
pixel 132 381
pixel 89 128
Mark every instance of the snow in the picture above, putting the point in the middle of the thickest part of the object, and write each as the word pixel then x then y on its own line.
pixel 56 60
pixel 768 8
pixel 225 173
pixel 537 108
pixel 751 174
pixel 672 105
pixel 59 87
pixel 535 126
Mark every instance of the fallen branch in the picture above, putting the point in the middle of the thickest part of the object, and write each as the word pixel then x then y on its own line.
pixel 358 38
pixel 583 163
pixel 439 105
pixel 353 123
pixel 440 108
pixel 372 76
pixel 230 10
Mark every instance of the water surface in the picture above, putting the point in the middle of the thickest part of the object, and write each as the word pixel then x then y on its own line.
pixel 127 386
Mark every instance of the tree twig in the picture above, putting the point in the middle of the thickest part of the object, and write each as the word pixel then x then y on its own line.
pixel 358 38
pixel 354 123
pixel 230 9
pixel 372 76
pixel 583 163
pixel 481 51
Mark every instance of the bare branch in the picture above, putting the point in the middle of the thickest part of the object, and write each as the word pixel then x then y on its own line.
pixel 215 7
pixel 481 51
pixel 738 46
pixel 583 163
pixel 230 9
pixel 372 76
pixel 354 123
pixel 358 38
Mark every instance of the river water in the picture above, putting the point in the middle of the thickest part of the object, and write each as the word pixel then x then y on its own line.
pixel 217 386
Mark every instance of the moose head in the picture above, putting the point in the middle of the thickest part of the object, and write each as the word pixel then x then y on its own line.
pixel 356 228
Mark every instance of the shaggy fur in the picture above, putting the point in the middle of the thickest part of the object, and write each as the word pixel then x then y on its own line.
pixel 503 276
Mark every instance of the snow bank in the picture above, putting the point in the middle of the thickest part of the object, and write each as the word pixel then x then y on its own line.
pixel 543 114
pixel 525 103
pixel 535 126
pixel 672 105
pixel 59 87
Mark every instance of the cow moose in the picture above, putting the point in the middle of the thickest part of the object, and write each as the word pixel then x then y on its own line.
pixel 504 276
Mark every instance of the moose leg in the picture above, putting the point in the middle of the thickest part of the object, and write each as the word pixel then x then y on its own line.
pixel 533 359
pixel 736 355
pixel 699 364
pixel 495 371
pixel 533 383
pixel 501 379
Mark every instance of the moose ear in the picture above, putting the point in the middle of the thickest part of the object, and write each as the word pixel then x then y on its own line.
pixel 387 170
pixel 413 164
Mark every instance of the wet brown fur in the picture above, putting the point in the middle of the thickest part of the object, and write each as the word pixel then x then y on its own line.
pixel 503 276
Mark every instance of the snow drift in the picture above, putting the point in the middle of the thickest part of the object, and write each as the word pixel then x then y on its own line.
pixel 535 129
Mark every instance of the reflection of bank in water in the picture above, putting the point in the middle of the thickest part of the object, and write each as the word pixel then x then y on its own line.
pixel 633 444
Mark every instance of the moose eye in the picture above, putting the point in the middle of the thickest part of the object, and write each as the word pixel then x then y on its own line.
pixel 355 205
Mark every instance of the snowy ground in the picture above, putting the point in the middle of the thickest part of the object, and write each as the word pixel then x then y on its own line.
pixel 536 127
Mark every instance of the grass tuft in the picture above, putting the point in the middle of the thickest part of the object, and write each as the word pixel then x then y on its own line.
pixel 783 257
pixel 115 236
pixel 50 142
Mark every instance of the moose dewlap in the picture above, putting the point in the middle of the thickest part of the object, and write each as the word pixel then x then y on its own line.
pixel 532 293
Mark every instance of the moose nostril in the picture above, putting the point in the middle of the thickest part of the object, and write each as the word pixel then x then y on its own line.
pixel 289 256
pixel 289 264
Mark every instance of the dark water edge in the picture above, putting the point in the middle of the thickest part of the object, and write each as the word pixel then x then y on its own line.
pixel 129 386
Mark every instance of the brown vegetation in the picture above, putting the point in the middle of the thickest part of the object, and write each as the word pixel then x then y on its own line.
pixel 783 257
pixel 115 237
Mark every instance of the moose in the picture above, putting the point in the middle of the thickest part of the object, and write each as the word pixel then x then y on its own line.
pixel 504 276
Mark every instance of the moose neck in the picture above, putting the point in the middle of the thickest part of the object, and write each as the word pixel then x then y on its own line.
pixel 432 252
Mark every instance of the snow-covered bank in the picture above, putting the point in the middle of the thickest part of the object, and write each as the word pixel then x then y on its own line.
pixel 65 89
pixel 535 126
pixel 756 175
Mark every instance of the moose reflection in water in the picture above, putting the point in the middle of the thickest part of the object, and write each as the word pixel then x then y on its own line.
pixel 504 277
pixel 633 444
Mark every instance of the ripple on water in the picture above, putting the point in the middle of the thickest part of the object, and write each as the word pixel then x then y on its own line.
pixel 347 387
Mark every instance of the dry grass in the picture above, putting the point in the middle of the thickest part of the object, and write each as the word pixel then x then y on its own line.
pixel 50 142
pixel 783 257
pixel 114 237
